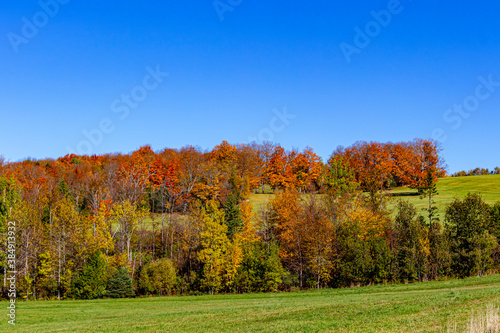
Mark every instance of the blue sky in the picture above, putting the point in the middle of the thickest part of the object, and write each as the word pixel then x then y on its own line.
pixel 229 78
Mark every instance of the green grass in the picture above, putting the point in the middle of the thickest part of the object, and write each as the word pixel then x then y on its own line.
pixel 421 307
pixel 452 187
pixel 448 188
pixel 260 200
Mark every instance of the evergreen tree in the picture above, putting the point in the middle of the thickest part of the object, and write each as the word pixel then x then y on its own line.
pixel 120 285
pixel 9 200
pixel 410 236
pixel 429 190
pixel 232 216
pixel 340 176
pixel 91 282
pixel 64 189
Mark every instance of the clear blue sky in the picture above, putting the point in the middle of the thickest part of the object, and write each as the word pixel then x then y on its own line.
pixel 225 77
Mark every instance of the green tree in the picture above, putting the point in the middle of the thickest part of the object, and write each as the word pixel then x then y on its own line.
pixel 64 189
pixel 353 261
pixel 411 242
pixel 9 200
pixel 232 216
pixel 494 225
pixel 471 243
pixel 91 282
pixel 261 268
pixel 120 284
pixel 429 190
pixel 439 254
pixel 340 176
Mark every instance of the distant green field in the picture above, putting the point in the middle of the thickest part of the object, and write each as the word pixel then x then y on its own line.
pixel 451 187
pixel 421 307
pixel 448 188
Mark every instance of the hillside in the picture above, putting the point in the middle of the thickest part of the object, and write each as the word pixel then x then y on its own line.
pixel 452 187
pixel 448 188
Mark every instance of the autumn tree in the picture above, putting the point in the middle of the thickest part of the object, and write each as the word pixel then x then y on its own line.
pixel 264 153
pixel 220 258
pixel 290 231
pixel 261 268
pixel 279 172
pixel 249 164
pixel 9 202
pixel 306 169
pixel 158 277
pixel 318 240
pixel 66 239
pixel 127 217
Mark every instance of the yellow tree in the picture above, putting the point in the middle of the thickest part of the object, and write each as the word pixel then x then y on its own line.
pixel 233 258
pixel 127 217
pixel 66 241
pixel 101 236
pixel 220 257
pixel 214 244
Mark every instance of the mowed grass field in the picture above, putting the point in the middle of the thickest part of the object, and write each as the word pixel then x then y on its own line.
pixel 420 307
pixel 452 187
pixel 448 189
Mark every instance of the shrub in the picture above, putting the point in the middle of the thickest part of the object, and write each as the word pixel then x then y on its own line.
pixel 158 277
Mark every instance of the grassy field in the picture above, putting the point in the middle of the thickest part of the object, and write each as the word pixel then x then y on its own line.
pixel 448 188
pixel 421 307
pixel 452 187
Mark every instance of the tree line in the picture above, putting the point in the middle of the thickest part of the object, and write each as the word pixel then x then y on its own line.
pixel 181 221
pixel 477 172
